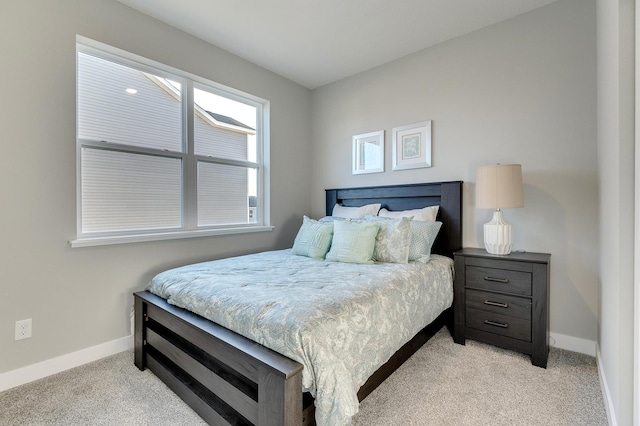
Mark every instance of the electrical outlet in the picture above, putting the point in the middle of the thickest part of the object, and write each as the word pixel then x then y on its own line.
pixel 23 329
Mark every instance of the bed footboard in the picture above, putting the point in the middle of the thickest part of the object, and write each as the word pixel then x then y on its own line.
pixel 224 377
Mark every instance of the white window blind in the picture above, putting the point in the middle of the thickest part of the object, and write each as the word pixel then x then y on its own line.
pixel 214 142
pixel 150 118
pixel 227 203
pixel 122 191
pixel 145 168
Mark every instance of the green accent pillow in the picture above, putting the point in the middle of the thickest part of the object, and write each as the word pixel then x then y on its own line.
pixel 423 235
pixel 353 241
pixel 313 239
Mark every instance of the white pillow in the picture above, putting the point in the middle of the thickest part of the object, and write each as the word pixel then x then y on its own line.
pixel 427 214
pixel 355 212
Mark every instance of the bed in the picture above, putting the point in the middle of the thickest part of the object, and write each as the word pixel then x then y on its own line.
pixel 230 379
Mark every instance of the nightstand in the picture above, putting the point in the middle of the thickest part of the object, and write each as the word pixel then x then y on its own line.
pixel 503 301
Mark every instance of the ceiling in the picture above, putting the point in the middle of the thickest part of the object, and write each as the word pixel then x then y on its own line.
pixel 316 42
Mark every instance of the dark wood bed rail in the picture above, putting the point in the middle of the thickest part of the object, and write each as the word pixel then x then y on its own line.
pixel 224 377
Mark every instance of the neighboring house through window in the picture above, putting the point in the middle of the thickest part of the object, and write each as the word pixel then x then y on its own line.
pixel 164 154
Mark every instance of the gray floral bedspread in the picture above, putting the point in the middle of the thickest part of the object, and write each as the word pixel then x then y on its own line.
pixel 340 321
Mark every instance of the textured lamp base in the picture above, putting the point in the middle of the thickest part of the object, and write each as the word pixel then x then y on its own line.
pixel 498 238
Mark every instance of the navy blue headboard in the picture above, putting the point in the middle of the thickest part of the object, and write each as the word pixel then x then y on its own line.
pixel 447 195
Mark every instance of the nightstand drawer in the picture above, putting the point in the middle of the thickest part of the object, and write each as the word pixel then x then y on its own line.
pixel 502 280
pixel 512 306
pixel 515 328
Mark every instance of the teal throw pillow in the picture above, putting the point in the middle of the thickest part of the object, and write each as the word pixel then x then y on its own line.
pixel 313 239
pixel 353 241
pixel 423 235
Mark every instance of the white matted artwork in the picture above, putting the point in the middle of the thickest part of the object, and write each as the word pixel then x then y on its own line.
pixel 368 153
pixel 412 146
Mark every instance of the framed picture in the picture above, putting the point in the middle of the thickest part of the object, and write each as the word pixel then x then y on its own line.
pixel 368 153
pixel 412 146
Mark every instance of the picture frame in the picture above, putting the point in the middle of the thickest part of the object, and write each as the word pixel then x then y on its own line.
pixel 412 146
pixel 368 153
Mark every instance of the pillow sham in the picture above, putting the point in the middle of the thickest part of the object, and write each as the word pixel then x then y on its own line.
pixel 427 214
pixel 355 212
pixel 313 239
pixel 353 241
pixel 393 239
pixel 423 235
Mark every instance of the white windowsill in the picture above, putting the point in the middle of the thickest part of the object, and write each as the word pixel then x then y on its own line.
pixel 138 238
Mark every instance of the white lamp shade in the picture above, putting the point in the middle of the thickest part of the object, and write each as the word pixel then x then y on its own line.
pixel 499 187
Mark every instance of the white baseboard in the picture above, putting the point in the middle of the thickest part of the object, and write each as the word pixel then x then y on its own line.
pixel 46 368
pixel 573 344
pixel 606 395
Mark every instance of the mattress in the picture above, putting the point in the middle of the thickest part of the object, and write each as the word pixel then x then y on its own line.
pixel 341 321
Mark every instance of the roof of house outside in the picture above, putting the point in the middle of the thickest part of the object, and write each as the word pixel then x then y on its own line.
pixel 228 120
pixel 211 118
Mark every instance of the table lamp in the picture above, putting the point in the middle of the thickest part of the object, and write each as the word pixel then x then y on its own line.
pixel 499 187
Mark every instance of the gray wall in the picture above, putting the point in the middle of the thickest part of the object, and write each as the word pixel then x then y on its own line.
pixel 520 91
pixel 80 298
pixel 616 179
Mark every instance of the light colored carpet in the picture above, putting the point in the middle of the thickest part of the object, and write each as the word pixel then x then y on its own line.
pixel 442 384
pixel 477 384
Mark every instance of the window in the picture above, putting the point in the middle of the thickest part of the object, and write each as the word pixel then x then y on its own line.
pixel 164 154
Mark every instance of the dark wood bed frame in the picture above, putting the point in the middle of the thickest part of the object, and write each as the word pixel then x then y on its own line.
pixel 230 380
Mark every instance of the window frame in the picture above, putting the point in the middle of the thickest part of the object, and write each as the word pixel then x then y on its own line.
pixel 189 208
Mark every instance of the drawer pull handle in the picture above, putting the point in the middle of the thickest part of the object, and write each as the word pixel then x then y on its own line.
pixel 497 324
pixel 498 304
pixel 497 280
